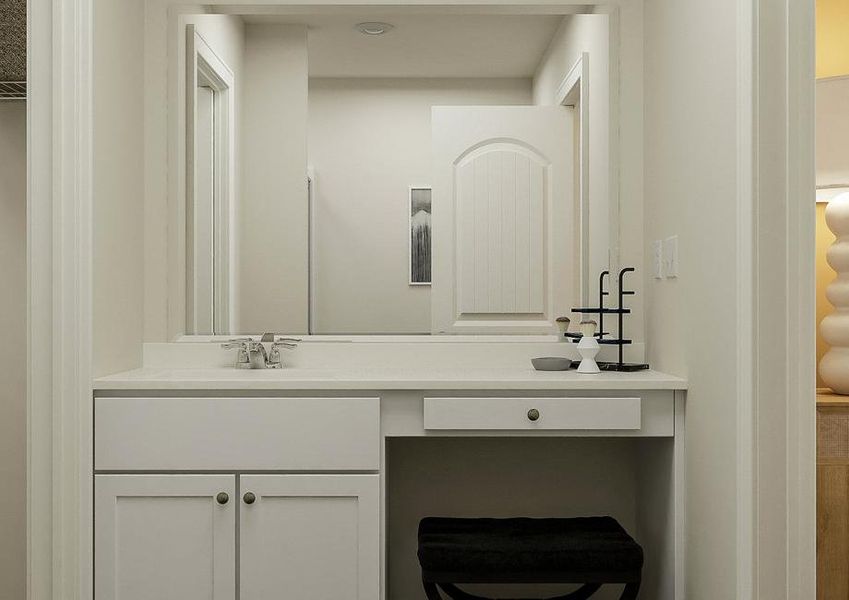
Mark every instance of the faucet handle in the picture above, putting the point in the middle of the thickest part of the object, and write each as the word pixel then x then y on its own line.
pixel 275 361
pixel 243 360
pixel 282 344
pixel 236 343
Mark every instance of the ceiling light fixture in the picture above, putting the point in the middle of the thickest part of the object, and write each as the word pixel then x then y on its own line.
pixel 373 28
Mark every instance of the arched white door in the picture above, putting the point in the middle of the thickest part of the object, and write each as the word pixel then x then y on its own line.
pixel 505 238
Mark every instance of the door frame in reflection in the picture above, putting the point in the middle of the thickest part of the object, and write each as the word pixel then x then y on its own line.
pixel 208 252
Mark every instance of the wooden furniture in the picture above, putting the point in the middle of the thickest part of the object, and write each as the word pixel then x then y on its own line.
pixel 832 496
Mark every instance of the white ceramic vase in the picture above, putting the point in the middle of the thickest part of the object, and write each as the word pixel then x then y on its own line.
pixel 588 349
pixel 834 365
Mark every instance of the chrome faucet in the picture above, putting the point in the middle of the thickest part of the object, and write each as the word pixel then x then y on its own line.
pixel 243 360
pixel 253 355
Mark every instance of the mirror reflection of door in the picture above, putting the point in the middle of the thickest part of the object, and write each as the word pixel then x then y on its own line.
pixel 210 179
pixel 504 227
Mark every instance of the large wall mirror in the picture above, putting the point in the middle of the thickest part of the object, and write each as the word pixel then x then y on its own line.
pixel 394 173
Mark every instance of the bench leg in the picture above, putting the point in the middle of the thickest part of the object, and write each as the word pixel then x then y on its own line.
pixel 431 591
pixel 630 591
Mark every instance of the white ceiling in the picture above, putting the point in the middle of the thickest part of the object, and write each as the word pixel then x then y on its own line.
pixel 424 45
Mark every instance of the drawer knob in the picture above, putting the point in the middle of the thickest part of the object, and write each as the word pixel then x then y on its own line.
pixel 222 498
pixel 533 414
pixel 249 498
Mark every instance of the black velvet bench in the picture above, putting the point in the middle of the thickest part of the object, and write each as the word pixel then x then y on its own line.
pixel 591 551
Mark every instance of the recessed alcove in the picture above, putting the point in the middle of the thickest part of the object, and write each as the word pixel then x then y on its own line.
pixel 535 477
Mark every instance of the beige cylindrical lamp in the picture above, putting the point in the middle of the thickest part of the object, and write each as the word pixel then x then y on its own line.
pixel 834 328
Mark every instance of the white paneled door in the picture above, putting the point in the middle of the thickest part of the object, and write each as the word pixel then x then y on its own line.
pixel 504 219
pixel 309 537
pixel 165 537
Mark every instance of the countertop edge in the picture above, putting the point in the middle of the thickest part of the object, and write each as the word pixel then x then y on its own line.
pixel 591 382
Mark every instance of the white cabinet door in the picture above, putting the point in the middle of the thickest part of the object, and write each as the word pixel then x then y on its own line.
pixel 309 537
pixel 505 236
pixel 165 537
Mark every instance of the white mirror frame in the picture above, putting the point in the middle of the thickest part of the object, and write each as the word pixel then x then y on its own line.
pixel 203 63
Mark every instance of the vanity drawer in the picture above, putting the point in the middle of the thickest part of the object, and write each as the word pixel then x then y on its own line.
pixel 532 413
pixel 281 434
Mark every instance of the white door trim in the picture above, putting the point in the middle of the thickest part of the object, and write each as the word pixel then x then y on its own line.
pixel 59 401
pixel 202 61
pixel 746 482
pixel 801 257
pixel 776 433
pixel 574 91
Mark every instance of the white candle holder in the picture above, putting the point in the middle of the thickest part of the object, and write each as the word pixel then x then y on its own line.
pixel 588 349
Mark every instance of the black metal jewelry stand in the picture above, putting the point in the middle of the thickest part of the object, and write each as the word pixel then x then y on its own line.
pixel 620 311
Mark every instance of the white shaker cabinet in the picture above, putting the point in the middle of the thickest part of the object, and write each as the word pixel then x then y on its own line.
pixel 173 537
pixel 178 536
pixel 168 537
pixel 306 515
pixel 309 537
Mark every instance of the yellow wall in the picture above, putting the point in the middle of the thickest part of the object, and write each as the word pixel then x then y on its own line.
pixel 832 38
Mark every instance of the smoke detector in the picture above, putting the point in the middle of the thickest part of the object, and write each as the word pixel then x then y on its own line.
pixel 373 28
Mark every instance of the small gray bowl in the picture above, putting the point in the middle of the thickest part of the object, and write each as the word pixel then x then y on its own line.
pixel 551 363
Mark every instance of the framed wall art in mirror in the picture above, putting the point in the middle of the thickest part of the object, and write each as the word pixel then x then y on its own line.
pixel 421 211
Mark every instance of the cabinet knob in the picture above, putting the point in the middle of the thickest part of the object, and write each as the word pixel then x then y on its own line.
pixel 533 414
pixel 249 497
pixel 222 498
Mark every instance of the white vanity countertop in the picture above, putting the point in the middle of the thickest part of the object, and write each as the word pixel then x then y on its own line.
pixel 410 378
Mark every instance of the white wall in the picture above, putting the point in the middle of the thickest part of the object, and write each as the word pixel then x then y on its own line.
pixel 690 190
pixel 273 207
pixel 576 35
pixel 225 34
pixel 164 147
pixel 118 184
pixel 615 46
pixel 13 311
pixel 369 141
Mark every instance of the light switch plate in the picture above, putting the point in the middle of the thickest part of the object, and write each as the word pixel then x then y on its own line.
pixel 670 257
pixel 657 259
